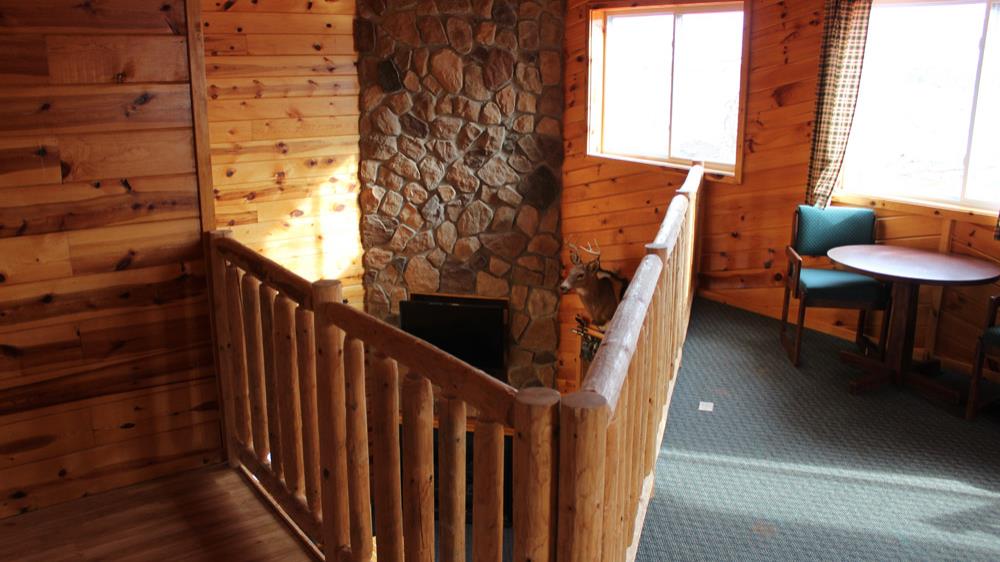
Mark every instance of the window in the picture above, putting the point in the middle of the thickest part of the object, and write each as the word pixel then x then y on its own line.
pixel 927 122
pixel 665 84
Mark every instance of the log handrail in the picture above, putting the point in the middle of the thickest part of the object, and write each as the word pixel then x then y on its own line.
pixel 610 366
pixel 294 361
pixel 611 428
pixel 298 420
pixel 266 270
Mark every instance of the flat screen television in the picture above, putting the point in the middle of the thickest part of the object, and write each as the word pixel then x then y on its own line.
pixel 472 329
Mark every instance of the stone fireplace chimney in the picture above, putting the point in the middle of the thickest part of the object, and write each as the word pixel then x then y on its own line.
pixel 461 147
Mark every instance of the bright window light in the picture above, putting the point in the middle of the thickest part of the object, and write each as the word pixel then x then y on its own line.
pixel 927 125
pixel 665 84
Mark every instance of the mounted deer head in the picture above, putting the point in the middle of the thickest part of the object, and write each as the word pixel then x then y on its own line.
pixel 582 271
pixel 595 286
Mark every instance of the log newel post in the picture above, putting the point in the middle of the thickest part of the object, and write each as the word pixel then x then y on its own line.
pixel 223 344
pixel 583 427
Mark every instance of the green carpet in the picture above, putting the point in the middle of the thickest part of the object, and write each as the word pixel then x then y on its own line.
pixel 789 466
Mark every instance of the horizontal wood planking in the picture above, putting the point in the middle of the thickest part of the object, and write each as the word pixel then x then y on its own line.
pixel 83 59
pixel 206 514
pixel 106 374
pixel 141 17
pixel 248 23
pixel 82 473
pixel 70 109
pixel 283 119
pixel 342 7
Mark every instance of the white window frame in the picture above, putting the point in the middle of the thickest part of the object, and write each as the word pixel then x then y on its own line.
pixel 944 202
pixel 595 95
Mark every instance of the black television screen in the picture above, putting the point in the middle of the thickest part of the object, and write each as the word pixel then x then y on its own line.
pixel 472 329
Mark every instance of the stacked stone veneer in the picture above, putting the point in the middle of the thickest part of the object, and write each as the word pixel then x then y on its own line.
pixel 461 105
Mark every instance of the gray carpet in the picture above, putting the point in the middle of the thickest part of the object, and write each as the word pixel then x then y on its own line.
pixel 789 466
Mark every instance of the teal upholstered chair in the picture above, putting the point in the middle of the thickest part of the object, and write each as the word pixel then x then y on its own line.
pixel 988 341
pixel 814 232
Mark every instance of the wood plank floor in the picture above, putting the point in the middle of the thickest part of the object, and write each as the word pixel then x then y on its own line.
pixel 208 514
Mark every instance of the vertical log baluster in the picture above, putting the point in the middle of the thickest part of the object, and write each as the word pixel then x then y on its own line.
pixel 451 479
pixel 619 504
pixel 332 418
pixel 255 365
pixel 632 447
pixel 274 414
pixel 357 450
pixel 238 357
pixel 652 381
pixel 487 492
pixel 418 468
pixel 385 449
pixel 305 346
pixel 613 520
pixel 619 424
pixel 287 385
pixel 534 473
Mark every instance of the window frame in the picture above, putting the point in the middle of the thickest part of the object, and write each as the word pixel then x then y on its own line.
pixel 596 40
pixel 963 202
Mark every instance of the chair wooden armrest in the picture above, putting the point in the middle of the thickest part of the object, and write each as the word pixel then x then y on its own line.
pixel 794 268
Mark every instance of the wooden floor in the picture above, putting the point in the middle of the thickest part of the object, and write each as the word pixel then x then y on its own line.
pixel 207 514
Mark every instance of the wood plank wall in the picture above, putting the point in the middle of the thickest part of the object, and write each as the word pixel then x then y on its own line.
pixel 620 203
pixel 283 114
pixel 746 226
pixel 106 373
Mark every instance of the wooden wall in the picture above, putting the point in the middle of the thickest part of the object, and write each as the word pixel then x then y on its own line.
pixel 105 358
pixel 747 225
pixel 621 203
pixel 283 113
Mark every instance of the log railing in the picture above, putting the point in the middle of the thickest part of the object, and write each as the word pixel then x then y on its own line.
pixel 329 412
pixel 303 379
pixel 610 430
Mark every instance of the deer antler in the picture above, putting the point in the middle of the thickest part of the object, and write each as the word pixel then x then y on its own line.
pixel 592 248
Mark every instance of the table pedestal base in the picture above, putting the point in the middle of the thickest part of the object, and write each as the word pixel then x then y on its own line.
pixel 907 269
pixel 920 378
pixel 876 374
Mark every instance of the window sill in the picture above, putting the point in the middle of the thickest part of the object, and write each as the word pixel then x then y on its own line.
pixel 711 174
pixel 926 208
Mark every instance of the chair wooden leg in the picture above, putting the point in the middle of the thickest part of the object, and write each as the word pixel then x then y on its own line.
pixel 797 352
pixel 977 373
pixel 784 307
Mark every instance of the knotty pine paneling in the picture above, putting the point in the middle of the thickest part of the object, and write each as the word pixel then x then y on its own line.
pixel 283 126
pixel 746 226
pixel 106 374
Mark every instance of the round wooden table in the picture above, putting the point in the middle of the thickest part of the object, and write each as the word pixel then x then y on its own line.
pixel 907 269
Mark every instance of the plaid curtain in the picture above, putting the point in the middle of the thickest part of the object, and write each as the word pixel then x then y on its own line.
pixel 844 35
